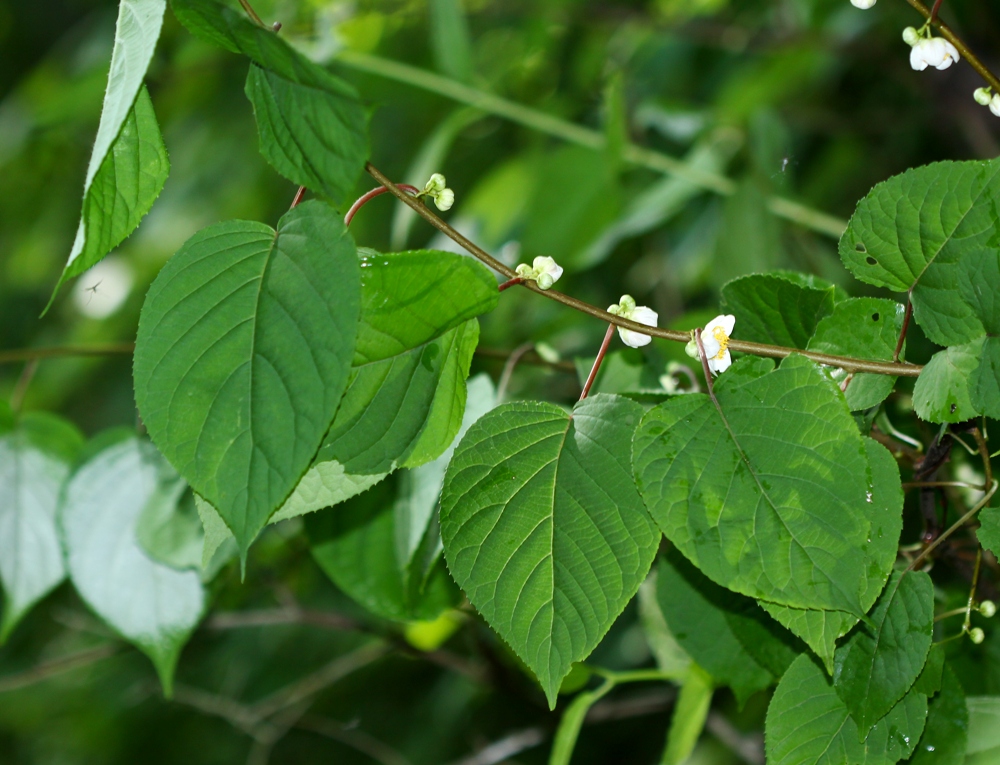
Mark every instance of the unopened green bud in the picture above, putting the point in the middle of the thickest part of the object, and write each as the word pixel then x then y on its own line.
pixel 982 96
pixel 976 635
pixel 988 608
pixel 910 36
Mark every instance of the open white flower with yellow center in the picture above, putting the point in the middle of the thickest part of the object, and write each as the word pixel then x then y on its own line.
pixel 715 339
pixel 931 51
pixel 543 270
pixel 627 309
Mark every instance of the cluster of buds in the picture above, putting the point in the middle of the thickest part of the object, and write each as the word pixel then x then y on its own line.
pixel 544 271
pixel 437 189
pixel 988 609
pixel 986 97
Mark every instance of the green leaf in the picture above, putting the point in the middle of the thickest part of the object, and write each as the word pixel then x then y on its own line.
pixel 989 530
pixel 725 633
pixel 543 528
pixel 410 298
pixel 153 606
pixel 941 393
pixel 672 660
pixel 880 661
pixel 313 129
pixel 913 231
pixel 808 724
pixel 362 546
pixel 690 713
pixel 123 190
pixel 450 39
pixel 821 629
pixel 404 410
pixel 35 460
pixel 928 682
pixel 945 735
pixel 984 723
pixel 771 499
pixel 780 308
pixel 128 164
pixel 244 348
pixel 169 529
pixel 984 382
pixel 865 328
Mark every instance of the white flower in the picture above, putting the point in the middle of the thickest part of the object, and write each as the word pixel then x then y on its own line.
pixel 436 188
pixel 715 338
pixel 932 51
pixel 995 104
pixel 543 270
pixel 863 4
pixel 982 96
pixel 627 309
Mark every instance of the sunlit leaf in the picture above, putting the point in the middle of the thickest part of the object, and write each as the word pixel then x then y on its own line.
pixel 150 604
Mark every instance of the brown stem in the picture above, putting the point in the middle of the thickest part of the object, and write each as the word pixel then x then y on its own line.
pixel 376 192
pixel 705 369
pixel 508 368
pixel 984 453
pixel 253 14
pixel 21 388
pixel 955 40
pixel 953 528
pixel 27 354
pixel 509 283
pixel 597 362
pixel 297 199
pixel 846 363
pixel 934 10
pixel 56 667
pixel 906 324
pixel 937 484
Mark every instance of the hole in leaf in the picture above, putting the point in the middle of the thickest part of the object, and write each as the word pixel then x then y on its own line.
pixel 860 247
pixel 875 317
pixel 953 408
pixel 871 261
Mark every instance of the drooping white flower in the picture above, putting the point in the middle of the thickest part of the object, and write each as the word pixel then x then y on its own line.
pixel 863 4
pixel 995 104
pixel 543 270
pixel 715 339
pixel 437 189
pixel 627 309
pixel 982 96
pixel 932 51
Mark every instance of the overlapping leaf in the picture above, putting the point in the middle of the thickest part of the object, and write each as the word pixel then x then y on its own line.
pixel 780 307
pixel 946 733
pixel 941 393
pixel 152 605
pixel 543 528
pixel 35 460
pixel 725 633
pixel 128 165
pixel 244 348
pixel 808 724
pixel 821 629
pixel 311 124
pixel 865 328
pixel 881 660
pixel 770 497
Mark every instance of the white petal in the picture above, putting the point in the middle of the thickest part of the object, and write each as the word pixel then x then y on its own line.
pixel 633 339
pixel 995 104
pixel 712 346
pixel 725 321
pixel 863 4
pixel 935 53
pixel 644 315
pixel 917 57
pixel 950 54
pixel 718 366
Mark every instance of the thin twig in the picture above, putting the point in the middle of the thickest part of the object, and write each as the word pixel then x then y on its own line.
pixel 228 620
pixel 597 361
pixel 54 667
pixel 370 195
pixel 253 14
pixel 509 283
pixel 531 357
pixel 28 354
pixel 847 363
pixel 23 382
pixel 705 368
pixel 984 453
pixel 508 368
pixel 953 528
pixel 297 199
pixel 506 747
pixel 352 737
pixel 938 484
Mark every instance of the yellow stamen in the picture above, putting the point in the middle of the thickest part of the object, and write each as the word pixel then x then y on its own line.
pixel 722 339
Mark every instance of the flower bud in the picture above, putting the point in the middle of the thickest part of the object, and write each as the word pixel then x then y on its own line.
pixel 976 635
pixel 910 36
pixel 982 96
pixel 995 104
pixel 988 608
pixel 863 4
pixel 444 199
pixel 435 184
pixel 544 281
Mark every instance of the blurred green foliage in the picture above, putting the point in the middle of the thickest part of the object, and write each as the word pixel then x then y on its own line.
pixel 809 99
